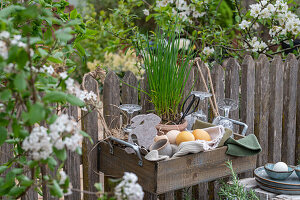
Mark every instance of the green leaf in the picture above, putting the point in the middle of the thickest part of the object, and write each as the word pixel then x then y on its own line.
pixel 3 168
pixel 237 18
pixel 5 12
pixel 98 186
pixel 51 163
pixel 25 181
pixel 54 60
pixel 3 134
pixel 17 170
pixel 84 134
pixel 64 35
pixel 5 95
pixel 20 82
pixel 42 52
pixel 60 154
pixel 80 49
pixel 73 14
pixel 78 151
pixel 55 190
pixel 17 190
pixel 74 100
pixel 36 113
pixel 55 96
pixel 32 163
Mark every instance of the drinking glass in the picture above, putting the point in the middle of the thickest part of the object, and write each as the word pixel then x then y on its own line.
pixel 199 114
pixel 129 109
pixel 226 105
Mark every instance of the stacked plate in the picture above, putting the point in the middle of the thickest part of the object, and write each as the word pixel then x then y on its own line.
pixel 290 185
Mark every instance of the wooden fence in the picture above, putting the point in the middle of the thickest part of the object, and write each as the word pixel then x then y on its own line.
pixel 268 103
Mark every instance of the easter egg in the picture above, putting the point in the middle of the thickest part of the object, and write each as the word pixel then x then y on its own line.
pixel 280 167
pixel 184 136
pixel 172 136
pixel 200 134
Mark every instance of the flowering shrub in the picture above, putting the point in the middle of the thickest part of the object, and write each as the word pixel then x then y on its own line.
pixel 38 43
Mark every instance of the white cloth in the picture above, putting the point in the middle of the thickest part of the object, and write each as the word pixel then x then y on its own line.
pixel 216 133
pixel 153 156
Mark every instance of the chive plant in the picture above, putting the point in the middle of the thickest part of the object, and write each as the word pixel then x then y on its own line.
pixel 167 67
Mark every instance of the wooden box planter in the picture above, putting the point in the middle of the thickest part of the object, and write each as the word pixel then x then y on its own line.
pixel 168 175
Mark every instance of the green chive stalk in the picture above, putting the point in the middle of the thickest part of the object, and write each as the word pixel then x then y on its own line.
pixel 167 67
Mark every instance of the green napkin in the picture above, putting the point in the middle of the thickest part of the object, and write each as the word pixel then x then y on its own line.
pixel 246 146
pixel 200 125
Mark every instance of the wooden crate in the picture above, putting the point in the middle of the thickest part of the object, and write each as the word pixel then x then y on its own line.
pixel 168 175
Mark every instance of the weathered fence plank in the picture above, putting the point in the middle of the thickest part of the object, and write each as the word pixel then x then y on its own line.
pixel 232 82
pixel 72 164
pixel 290 107
pixel 298 118
pixel 111 100
pixel 276 107
pixel 247 93
pixel 90 126
pixel 262 106
pixel 129 91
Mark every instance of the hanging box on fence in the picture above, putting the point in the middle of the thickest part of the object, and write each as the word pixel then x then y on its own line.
pixel 168 175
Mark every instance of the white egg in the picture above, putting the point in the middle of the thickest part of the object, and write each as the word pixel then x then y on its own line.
pixel 172 136
pixel 280 167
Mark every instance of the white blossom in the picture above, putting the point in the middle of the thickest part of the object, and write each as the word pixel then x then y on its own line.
pixel 47 69
pixel 63 75
pixel 146 12
pixel 244 24
pixel 16 39
pixel 128 188
pixel 257 45
pixel 196 14
pixel 255 10
pixel 9 68
pixel 4 34
pixel 63 177
pixel 38 143
pixel 208 51
pixel 3 50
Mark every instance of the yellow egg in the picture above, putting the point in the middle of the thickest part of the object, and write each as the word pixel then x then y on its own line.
pixel 172 136
pixel 200 134
pixel 184 136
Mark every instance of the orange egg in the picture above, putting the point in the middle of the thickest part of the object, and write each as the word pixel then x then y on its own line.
pixel 184 136
pixel 201 135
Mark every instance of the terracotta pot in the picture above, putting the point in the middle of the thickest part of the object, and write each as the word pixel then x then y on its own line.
pixel 164 128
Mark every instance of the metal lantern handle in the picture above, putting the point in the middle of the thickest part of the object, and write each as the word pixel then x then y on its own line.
pixel 236 122
pixel 135 147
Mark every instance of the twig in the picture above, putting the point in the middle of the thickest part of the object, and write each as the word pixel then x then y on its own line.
pixel 212 91
pixel 205 85
pixel 283 50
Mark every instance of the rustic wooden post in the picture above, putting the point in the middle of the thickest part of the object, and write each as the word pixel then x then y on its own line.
pixel 199 189
pixel 199 85
pixel 232 84
pixel 289 109
pixel 298 118
pixel 262 106
pixel 247 93
pixel 129 91
pixel 111 100
pixel 72 164
pixel 89 158
pixel 276 107
pixel 217 75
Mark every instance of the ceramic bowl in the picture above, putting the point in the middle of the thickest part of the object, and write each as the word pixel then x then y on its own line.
pixel 297 170
pixel 278 175
pixel 163 147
